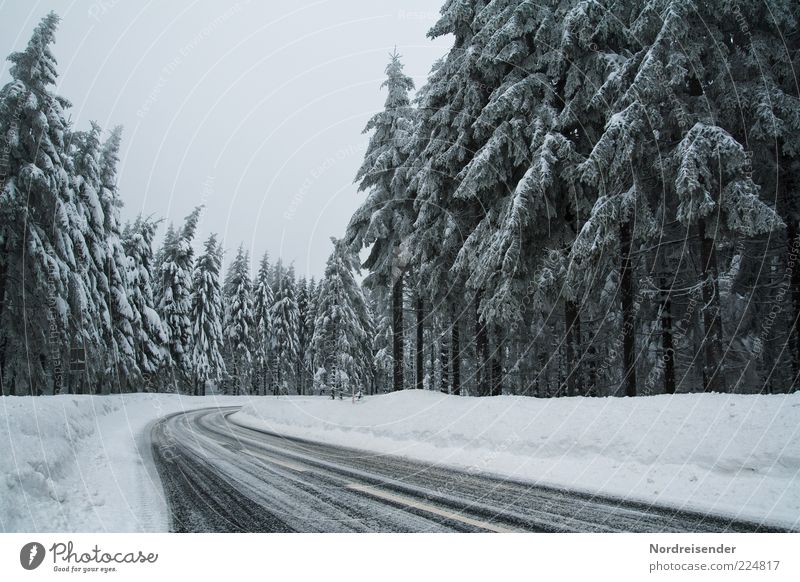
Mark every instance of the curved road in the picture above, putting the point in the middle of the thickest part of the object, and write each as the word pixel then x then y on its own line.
pixel 222 477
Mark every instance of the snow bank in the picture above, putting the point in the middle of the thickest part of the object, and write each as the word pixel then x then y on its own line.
pixel 82 463
pixel 735 455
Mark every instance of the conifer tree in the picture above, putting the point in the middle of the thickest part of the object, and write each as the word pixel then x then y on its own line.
pixel 263 323
pixel 207 312
pixel 304 334
pixel 343 331
pixel 285 324
pixel 150 337
pixel 89 292
pixel 312 292
pixel 175 301
pixel 383 221
pixel 36 252
pixel 239 324
pixel 122 365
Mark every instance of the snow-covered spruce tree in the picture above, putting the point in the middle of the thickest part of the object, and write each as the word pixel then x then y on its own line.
pixel 312 291
pixel 419 343
pixel 303 335
pixel 606 251
pixel 461 171
pixel 343 331
pixel 239 321
pixel 672 79
pixel 382 221
pixel 122 365
pixel 624 168
pixel 169 238
pixel 764 115
pixel 512 195
pixel 382 361
pixel 603 254
pixel 437 231
pixel 262 343
pixel 716 195
pixel 285 323
pixel 207 363
pixel 36 254
pixel 595 41
pixel 175 302
pixel 620 169
pixel 700 97
pixel 91 316
pixel 150 338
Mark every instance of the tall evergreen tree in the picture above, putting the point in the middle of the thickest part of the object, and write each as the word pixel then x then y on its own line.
pixel 175 301
pixel 285 324
pixel 263 323
pixel 312 291
pixel 382 361
pixel 343 331
pixel 89 291
pixel 150 337
pixel 123 353
pixel 382 221
pixel 239 324
pixel 717 196
pixel 36 253
pixel 304 333
pixel 207 312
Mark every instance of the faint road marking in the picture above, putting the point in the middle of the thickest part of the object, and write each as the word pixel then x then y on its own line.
pixel 402 500
pixel 286 464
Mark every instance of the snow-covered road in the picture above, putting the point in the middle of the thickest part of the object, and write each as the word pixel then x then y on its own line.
pixel 220 476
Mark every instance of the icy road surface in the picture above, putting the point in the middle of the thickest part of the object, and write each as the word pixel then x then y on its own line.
pixel 222 477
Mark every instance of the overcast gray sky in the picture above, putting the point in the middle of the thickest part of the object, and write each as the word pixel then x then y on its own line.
pixel 254 109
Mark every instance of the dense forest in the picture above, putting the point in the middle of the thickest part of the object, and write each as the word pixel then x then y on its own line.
pixel 591 198
pixel 585 198
pixel 89 306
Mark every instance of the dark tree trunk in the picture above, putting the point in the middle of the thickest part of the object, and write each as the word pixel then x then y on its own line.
pixel 420 343
pixel 455 346
pixel 628 314
pixel 543 373
pixel 481 350
pixel 497 363
pixel 3 279
pixel 713 376
pixel 432 349
pixel 572 344
pixel 667 343
pixel 794 328
pixel 301 379
pixel 444 358
pixel 397 333
pixel 592 373
pixel 788 207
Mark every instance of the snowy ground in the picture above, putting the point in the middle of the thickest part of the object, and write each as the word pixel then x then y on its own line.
pixel 72 463
pixel 728 454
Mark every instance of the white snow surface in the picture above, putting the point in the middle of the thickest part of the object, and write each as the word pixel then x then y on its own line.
pixel 83 463
pixel 733 455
